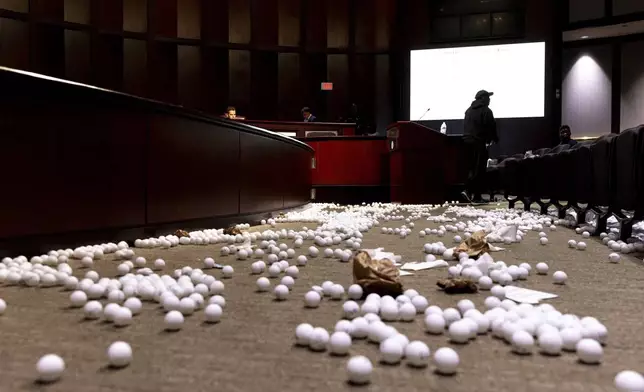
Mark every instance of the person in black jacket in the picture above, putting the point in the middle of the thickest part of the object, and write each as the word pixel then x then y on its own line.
pixel 479 133
pixel 565 136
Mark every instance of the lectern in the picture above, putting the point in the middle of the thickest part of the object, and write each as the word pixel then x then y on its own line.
pixel 426 166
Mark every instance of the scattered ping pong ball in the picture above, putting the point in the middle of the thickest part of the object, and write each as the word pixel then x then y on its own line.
pixel 212 313
pixel 407 312
pixel 93 310
pixel 614 257
pixel 435 323
pixel 159 264
pixel 351 309
pixel 498 291
pixel 359 369
pixel 459 332
pixel 312 299
pixel 187 306
pixel 225 251
pixel 629 381
pixel 543 240
pixel 292 271
pixel 122 317
pixel 319 339
pixel 340 343
pixel 301 260
pixel 78 298
pixel 173 320
pixel 391 351
pixel 274 270
pixel 417 354
pixel 313 251
pixel 464 305
pixel 451 315
pixel 3 306
pixel 581 245
pixel 542 268
pixel 50 368
pixel 218 300
pixel 355 292
pixel 570 337
pixel 209 262
pixel 281 292
pixel 446 361
pixel 139 262
pixel 87 262
pixel 119 354
pixel 572 243
pixel 288 282
pixel 550 342
pixel 227 271
pixel 559 277
pixel 263 284
pixel 589 351
pixel 303 334
pixel 585 234
pixel 522 342
pixel 134 304
pixel 420 303
pixel 336 292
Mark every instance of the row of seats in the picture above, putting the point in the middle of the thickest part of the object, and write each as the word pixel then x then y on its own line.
pixel 604 176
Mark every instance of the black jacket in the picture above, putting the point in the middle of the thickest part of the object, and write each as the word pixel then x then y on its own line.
pixel 479 124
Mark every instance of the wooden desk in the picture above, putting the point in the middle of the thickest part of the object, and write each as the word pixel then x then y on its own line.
pixel 304 129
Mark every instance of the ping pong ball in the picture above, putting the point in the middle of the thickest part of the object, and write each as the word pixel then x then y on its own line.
pixel 227 271
pixel 159 264
pixel 173 320
pixel 589 351
pixel 78 298
pixel 340 343
pixel 485 282
pixel 281 292
pixel 312 299
pixel 292 271
pixel 256 268
pixel 87 262
pixel 319 339
pixel 212 313
pixel 407 312
pixel 303 334
pixel 559 277
pixel 543 240
pixel 459 332
pixel 288 282
pixel 301 260
pixel 355 292
pixel 122 317
pixel 336 292
pixel 522 342
pixel 134 304
pixel 581 245
pixel 359 369
pixel 614 257
pixel 225 251
pixel 572 243
pixel 313 251
pixel 391 351
pixel 499 291
pixel 218 300
pixel 274 270
pixel 464 305
pixel 209 262
pixel 93 310
pixel 417 354
pixel 3 306
pixel 242 254
pixel 629 381
pixel 570 337
pixel 351 309
pixel 542 234
pixel 446 361
pixel 119 354
pixel 585 234
pixel 550 342
pixel 263 284
pixel 420 303
pixel 50 368
pixel 542 268
pixel 139 262
pixel 435 323
pixel 492 302
pixel 187 306
pixel 217 287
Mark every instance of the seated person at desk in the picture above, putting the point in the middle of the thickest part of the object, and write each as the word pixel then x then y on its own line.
pixel 565 136
pixel 231 114
pixel 307 115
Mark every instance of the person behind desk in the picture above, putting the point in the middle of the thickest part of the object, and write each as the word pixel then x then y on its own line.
pixel 231 114
pixel 479 133
pixel 307 115
pixel 565 136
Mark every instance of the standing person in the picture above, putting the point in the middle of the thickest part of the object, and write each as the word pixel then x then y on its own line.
pixel 479 133
pixel 307 115
pixel 565 136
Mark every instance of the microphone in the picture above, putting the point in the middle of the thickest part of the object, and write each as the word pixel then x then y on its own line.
pixel 424 114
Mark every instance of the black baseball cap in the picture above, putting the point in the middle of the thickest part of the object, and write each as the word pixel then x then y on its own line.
pixel 482 94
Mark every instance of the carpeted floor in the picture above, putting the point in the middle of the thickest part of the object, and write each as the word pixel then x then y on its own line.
pixel 251 349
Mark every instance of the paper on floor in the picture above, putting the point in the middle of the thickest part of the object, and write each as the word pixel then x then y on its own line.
pixel 526 296
pixel 415 266
pixel 379 254
pixel 405 273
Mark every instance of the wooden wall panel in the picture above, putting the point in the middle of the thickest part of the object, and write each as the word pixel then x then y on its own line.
pixel 337 19
pixel 135 16
pixel 239 80
pixel 264 74
pixel 239 21
pixel 338 99
pixel 264 23
pixel 417 26
pixel 189 75
pixel 107 61
pixel 288 22
pixel 162 68
pixel 383 105
pixel 316 24
pixel 362 85
pixel 164 17
pixel 313 71
pixel 78 60
pixel 47 50
pixel 107 15
pixel 189 19
pixel 77 11
pixel 288 87
pixel 365 24
pixel 385 11
pixel 214 21
pixel 15 5
pixel 14 44
pixel 214 80
pixel 135 67
pixel 47 10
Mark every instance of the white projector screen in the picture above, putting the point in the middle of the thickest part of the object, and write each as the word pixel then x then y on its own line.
pixel 446 80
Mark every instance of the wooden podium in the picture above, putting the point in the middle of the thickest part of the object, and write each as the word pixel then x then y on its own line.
pixel 426 166
pixel 302 129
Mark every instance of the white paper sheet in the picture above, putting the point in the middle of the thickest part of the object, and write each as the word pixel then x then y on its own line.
pixel 526 296
pixel 405 273
pixel 424 265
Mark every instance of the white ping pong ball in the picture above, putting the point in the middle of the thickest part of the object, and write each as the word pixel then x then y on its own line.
pixel 173 320
pixel 522 342
pixel 313 251
pixel 93 310
pixel 560 277
pixel 589 351
pixel 312 299
pixel 585 234
pixel 417 354
pixel 274 270
pixel 288 282
pixel 550 343
pixel 614 257
pixel 572 243
pixel 336 292
pixel 446 361
pixel 78 298
pixel 281 292
pixel 319 339
pixel 227 271
pixel 542 268
pixel 159 264
pixel 581 245
pixel 359 369
pixel 119 354
pixel 340 343
pixel 543 240
pixel 355 292
pixel 212 313
pixel 263 284
pixel 435 323
pixel 50 368
pixel 629 381
pixel 303 334
pixel 391 351
pixel 209 262
pixel 301 260
pixel 3 306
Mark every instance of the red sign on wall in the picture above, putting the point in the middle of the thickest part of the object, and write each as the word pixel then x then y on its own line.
pixel 327 86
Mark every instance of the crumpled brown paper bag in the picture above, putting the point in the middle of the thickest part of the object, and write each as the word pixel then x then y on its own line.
pixel 376 276
pixel 474 246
